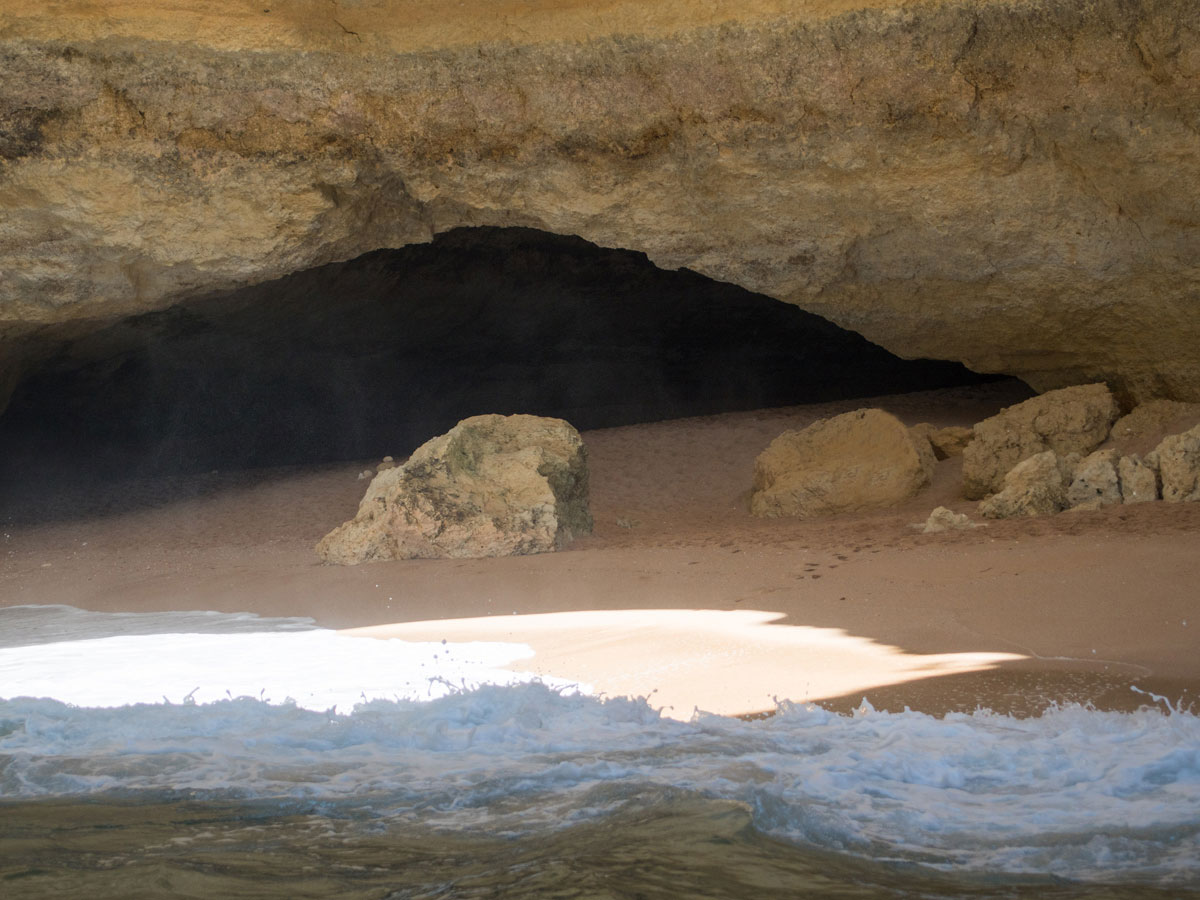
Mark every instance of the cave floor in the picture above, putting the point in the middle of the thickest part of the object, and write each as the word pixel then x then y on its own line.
pixel 1012 616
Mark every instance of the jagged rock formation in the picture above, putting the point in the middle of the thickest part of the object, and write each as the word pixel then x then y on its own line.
pixel 861 460
pixel 1069 420
pixel 1048 482
pixel 1178 461
pixel 491 486
pixel 1036 486
pixel 993 181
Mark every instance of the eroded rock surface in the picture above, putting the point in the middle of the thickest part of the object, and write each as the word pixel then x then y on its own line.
pixel 1036 486
pixel 1069 420
pixel 943 519
pixel 491 486
pixel 1139 482
pixel 1047 482
pixel 1178 462
pixel 980 180
pixel 946 442
pixel 1095 482
pixel 1145 426
pixel 859 460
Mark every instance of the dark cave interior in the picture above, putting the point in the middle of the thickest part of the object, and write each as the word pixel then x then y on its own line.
pixel 373 356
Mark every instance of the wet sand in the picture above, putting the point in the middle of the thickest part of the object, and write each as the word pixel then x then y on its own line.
pixel 1013 616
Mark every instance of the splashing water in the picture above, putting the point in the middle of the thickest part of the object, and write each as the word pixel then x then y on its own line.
pixel 1074 794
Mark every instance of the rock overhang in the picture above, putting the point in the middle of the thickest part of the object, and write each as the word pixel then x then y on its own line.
pixel 372 356
pixel 992 182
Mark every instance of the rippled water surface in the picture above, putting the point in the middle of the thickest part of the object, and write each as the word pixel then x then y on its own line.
pixel 656 844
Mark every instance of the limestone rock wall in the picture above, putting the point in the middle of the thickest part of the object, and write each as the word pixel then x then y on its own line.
pixel 1001 183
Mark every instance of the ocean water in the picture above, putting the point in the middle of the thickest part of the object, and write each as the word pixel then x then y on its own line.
pixel 192 755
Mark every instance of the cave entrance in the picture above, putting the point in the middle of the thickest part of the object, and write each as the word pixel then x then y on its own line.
pixel 373 356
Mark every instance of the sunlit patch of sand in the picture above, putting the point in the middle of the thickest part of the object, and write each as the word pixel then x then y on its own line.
pixel 729 662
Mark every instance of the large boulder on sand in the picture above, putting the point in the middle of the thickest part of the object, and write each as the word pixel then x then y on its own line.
pixel 1036 486
pixel 491 486
pixel 865 459
pixel 1178 461
pixel 1069 420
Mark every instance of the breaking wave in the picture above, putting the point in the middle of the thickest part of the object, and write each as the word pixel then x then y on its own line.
pixel 1076 793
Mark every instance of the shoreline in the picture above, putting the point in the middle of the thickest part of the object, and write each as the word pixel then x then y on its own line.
pixel 1072 608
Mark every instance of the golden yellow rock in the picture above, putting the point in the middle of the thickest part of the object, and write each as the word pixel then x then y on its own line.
pixel 1069 420
pixel 946 442
pixel 859 460
pixel 994 182
pixel 490 486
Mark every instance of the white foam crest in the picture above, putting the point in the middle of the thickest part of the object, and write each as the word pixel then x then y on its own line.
pixel 316 669
pixel 1075 792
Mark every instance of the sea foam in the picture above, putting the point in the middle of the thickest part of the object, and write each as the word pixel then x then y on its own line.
pixel 1075 792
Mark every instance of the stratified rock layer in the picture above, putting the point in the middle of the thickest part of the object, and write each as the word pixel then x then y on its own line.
pixel 491 486
pixel 993 182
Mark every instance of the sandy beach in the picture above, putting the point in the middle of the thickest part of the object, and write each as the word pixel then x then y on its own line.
pixel 679 595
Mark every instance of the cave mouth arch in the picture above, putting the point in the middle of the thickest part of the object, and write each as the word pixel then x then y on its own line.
pixel 370 357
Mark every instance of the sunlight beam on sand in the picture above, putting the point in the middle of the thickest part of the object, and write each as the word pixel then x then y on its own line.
pixel 728 662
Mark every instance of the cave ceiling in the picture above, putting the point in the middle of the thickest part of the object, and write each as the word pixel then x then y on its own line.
pixel 1003 184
